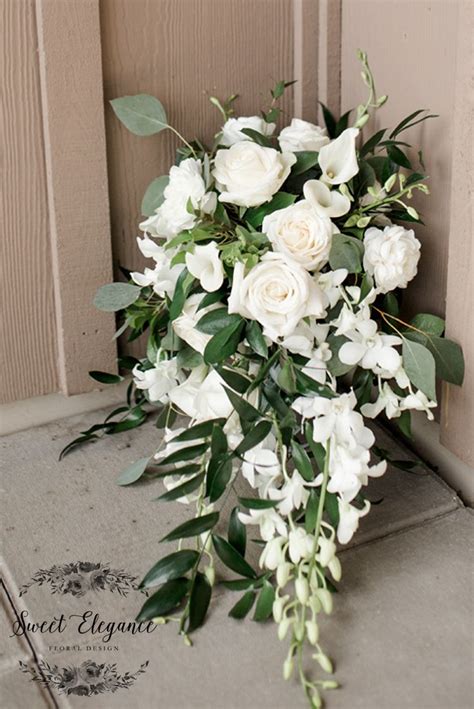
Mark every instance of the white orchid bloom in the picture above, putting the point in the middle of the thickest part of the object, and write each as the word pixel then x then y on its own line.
pixel 185 324
pixel 349 520
pixel 420 402
pixel 151 249
pixel 205 265
pixel 184 396
pixel 273 555
pixel 338 160
pixel 316 367
pixel 292 494
pixel 371 349
pixel 162 278
pixel 325 202
pixel 269 520
pixel 260 468
pixel 330 283
pixel 300 544
pixel 387 401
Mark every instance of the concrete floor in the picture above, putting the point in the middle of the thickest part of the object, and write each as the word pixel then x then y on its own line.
pixel 401 632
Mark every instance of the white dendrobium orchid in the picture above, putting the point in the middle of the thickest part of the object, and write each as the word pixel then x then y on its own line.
pixel 300 544
pixel 302 234
pixel 185 185
pixel 302 135
pixel 248 174
pixel 158 381
pixel 316 367
pixel 204 398
pixel 326 202
pixel 232 129
pixel 162 278
pixel 338 159
pixel 204 263
pixel 261 468
pixel 419 402
pixel 349 517
pixel 329 283
pixel 387 401
pixel 292 494
pixel 269 520
pixel 277 293
pixel 273 555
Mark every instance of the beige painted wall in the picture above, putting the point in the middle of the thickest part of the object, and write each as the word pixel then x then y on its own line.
pixel 60 242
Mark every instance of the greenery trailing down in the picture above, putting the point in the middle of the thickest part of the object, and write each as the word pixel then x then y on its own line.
pixel 274 328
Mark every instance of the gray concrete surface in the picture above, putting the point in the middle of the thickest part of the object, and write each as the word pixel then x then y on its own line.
pixel 401 632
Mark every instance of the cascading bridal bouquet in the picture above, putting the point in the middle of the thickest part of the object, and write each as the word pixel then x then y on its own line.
pixel 272 313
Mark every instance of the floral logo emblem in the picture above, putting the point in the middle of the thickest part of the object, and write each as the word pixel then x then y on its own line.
pixel 86 680
pixel 80 577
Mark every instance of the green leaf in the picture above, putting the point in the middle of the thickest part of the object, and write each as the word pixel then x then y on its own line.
pixel 141 114
pixel 237 534
pixel 329 120
pixel 116 296
pixel 234 379
pixel 311 512
pixel 398 157
pixel 188 453
pixel 182 490
pixel 346 252
pixel 255 503
pixel 362 383
pixel 286 377
pixel 305 160
pixel 302 461
pixel 170 567
pixel 255 436
pixel 372 142
pixel 342 123
pixel 431 324
pixel 133 472
pixel 420 367
pixel 253 333
pixel 257 137
pixel 215 321
pixel 448 356
pixel 231 557
pixel 79 441
pixel 243 605
pixel 332 507
pixel 280 200
pixel 219 473
pixel 263 609
pixel 185 280
pixel 224 343
pixel 199 602
pixel 187 358
pixel 404 423
pixel 199 430
pixel 247 413
pixel 192 527
pixel 154 197
pixel 166 599
pixel 105 377
pixel 189 469
pixel 218 441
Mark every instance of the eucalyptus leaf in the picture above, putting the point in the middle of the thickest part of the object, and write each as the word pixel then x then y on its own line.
pixel 431 324
pixel 133 472
pixel 419 364
pixel 116 296
pixel 346 252
pixel 142 114
pixel 154 195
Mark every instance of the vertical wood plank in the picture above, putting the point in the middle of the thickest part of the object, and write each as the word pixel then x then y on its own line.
pixel 413 58
pixel 28 340
pixel 183 52
pixel 329 59
pixel 306 62
pixel 457 421
pixel 74 135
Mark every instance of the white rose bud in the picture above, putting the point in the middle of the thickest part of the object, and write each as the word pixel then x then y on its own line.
pixel 248 174
pixel 232 129
pixel 301 135
pixel 391 256
pixel 301 233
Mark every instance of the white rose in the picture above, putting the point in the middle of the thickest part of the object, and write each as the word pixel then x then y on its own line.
pixel 185 324
pixel 248 174
pixel 391 256
pixel 204 263
pixel 300 233
pixel 185 183
pixel 277 293
pixel 301 135
pixel 326 202
pixel 232 129
pixel 338 159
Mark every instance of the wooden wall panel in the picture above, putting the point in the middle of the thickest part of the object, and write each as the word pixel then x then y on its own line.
pixel 74 138
pixel 412 52
pixel 28 340
pixel 457 421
